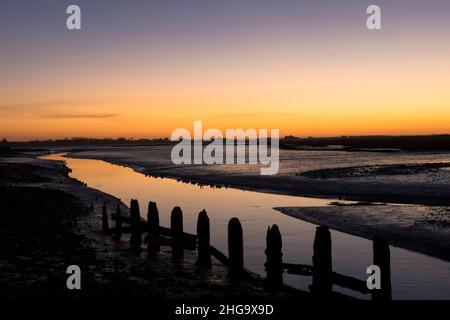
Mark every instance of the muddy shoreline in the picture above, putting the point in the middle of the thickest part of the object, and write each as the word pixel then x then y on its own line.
pixel 55 222
pixel 426 183
pixel 417 228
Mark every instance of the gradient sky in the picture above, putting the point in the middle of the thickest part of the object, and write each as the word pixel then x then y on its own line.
pixel 145 68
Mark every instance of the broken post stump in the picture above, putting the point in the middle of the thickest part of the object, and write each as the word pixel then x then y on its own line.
pixel 153 227
pixel 203 240
pixel 274 261
pixel 382 259
pixel 322 283
pixel 235 247
pixel 136 237
pixel 176 226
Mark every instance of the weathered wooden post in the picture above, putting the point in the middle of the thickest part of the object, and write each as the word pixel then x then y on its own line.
pixel 235 247
pixel 274 261
pixel 203 240
pixel 322 283
pixel 382 259
pixel 176 226
pixel 118 221
pixel 153 227
pixel 136 237
pixel 105 225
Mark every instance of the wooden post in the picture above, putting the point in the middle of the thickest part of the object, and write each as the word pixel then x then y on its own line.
pixel 382 259
pixel 322 283
pixel 274 261
pixel 118 222
pixel 235 247
pixel 203 240
pixel 153 227
pixel 134 210
pixel 176 226
pixel 136 238
pixel 105 225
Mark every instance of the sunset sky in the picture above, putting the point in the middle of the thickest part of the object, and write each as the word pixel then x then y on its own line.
pixel 144 68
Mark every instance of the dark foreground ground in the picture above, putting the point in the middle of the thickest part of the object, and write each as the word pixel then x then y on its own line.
pixel 50 221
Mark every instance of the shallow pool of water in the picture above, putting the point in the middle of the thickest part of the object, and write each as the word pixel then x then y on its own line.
pixel 414 275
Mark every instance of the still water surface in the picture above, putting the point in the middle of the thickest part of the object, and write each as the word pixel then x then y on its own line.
pixel 414 276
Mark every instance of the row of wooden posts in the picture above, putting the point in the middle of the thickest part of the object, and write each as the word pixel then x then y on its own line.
pixel 323 277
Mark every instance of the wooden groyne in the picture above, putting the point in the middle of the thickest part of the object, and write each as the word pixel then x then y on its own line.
pixel 321 270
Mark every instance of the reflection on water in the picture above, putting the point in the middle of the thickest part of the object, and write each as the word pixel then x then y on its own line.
pixel 414 276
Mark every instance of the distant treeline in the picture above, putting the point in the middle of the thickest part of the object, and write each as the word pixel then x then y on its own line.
pixel 80 141
pixel 412 143
pixel 349 143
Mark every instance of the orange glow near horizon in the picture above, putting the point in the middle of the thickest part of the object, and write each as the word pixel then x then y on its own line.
pixel 320 107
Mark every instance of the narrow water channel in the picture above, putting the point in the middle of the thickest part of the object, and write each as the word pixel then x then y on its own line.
pixel 414 275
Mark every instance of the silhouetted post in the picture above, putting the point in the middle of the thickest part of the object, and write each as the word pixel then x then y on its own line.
pixel 382 259
pixel 136 238
pixel 322 283
pixel 274 268
pixel 203 240
pixel 235 247
pixel 105 225
pixel 153 227
pixel 118 221
pixel 176 226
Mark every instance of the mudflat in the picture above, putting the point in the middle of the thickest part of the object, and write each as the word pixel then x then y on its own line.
pixel 424 229
pixel 398 177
